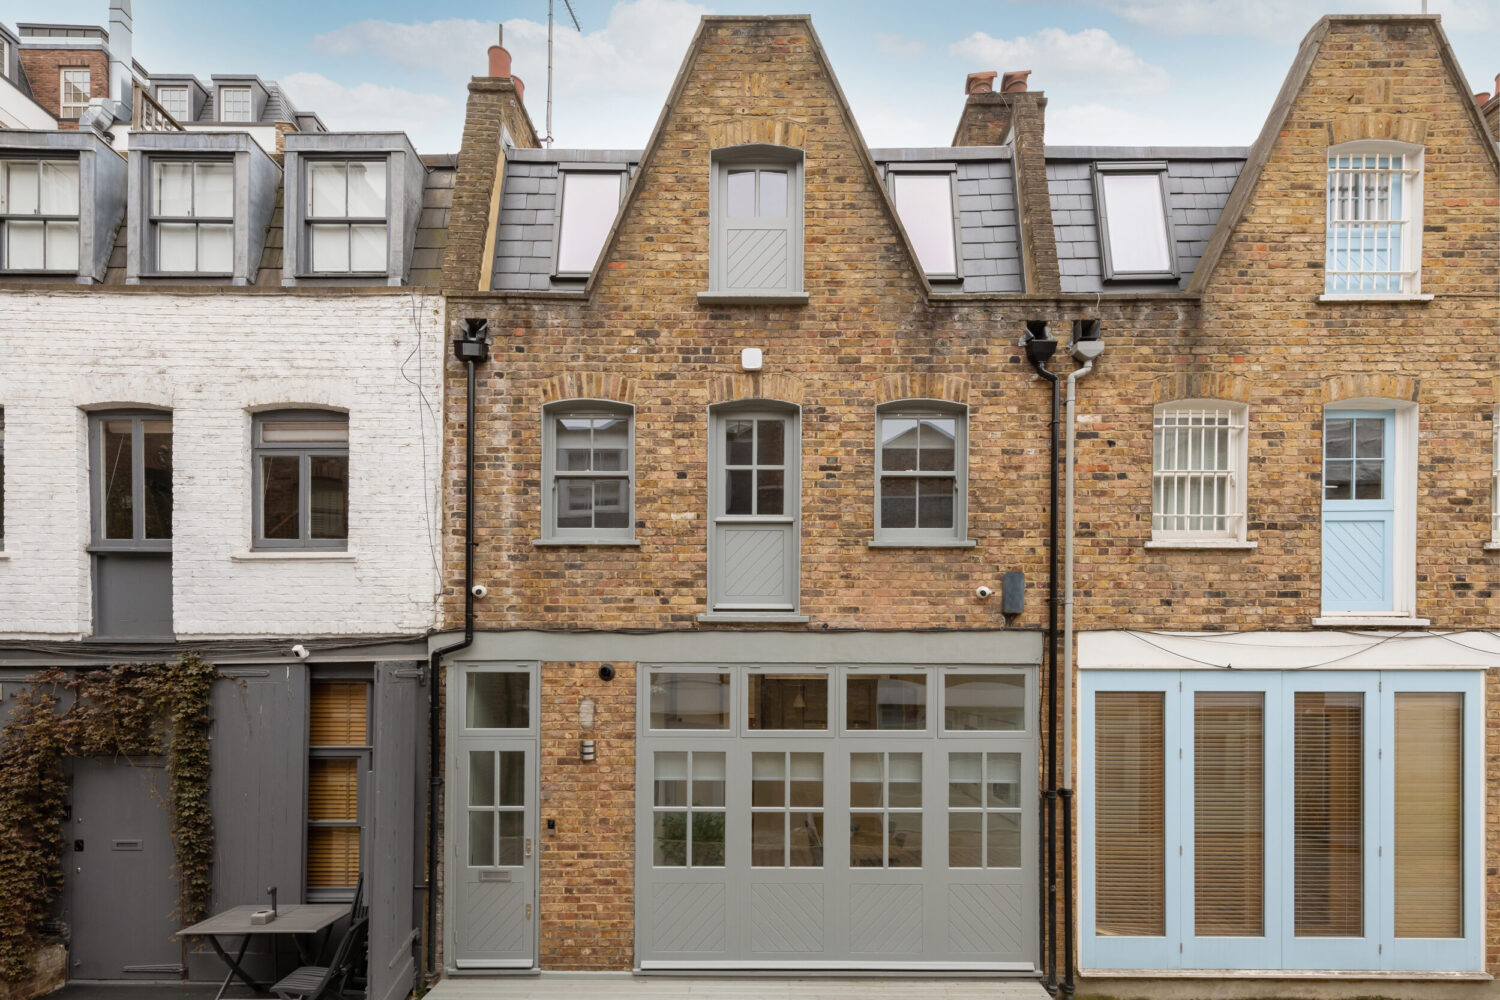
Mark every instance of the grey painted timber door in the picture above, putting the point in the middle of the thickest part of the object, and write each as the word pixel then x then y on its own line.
pixel 754 498
pixel 836 817
pixel 494 794
pixel 121 896
pixel 393 923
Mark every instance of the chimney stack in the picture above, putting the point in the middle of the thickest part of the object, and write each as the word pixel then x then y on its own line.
pixel 121 57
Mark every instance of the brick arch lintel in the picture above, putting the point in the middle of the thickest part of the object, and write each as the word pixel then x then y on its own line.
pixel 589 385
pixel 752 385
pixel 918 385
pixel 757 129
pixel 1371 386
pixel 1201 385
pixel 1360 127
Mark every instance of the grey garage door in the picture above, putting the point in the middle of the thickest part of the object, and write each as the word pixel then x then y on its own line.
pixel 836 817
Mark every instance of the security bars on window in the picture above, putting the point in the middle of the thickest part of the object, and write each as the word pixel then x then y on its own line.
pixel 1194 488
pixel 192 213
pixel 1369 224
pixel 346 215
pixel 1495 488
pixel 39 215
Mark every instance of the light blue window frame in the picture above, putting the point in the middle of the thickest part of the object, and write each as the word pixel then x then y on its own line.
pixel 1355 578
pixel 1378 949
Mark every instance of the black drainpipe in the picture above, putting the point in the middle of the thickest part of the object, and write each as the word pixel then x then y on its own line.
pixel 472 347
pixel 1040 346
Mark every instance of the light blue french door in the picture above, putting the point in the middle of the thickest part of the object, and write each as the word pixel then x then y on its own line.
pixel 1359 511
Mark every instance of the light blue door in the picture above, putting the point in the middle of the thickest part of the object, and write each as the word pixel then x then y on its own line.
pixel 1359 511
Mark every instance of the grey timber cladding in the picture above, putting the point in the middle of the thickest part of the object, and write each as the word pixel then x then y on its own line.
pixel 526 234
pixel 1198 183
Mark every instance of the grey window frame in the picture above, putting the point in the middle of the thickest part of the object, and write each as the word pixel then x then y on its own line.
pixel 362 756
pixel 950 170
pixel 1101 208
pixel 46 220
pixel 304 452
pixel 152 250
pixel 307 220
pixel 138 542
pixel 958 535
pixel 553 535
pixel 757 156
pixel 249 93
pixel 2 482
pixel 563 170
pixel 62 89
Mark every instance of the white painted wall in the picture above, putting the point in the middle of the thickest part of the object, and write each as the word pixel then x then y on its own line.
pixel 213 359
pixel 19 111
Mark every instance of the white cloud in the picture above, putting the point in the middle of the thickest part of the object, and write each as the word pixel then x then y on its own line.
pixel 1089 57
pixel 1101 125
pixel 896 45
pixel 631 61
pixel 370 107
pixel 1280 20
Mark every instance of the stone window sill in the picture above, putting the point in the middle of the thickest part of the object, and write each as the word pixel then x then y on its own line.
pixel 1488 547
pixel 1373 297
pixel 4 556
pixel 1370 621
pixel 752 617
pixel 294 555
pixel 752 298
pixel 1201 543
pixel 592 543
pixel 949 543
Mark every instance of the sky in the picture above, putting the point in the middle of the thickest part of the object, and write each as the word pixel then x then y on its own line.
pixel 1137 72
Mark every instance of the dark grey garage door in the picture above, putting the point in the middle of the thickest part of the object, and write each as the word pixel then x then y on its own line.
pixel 836 817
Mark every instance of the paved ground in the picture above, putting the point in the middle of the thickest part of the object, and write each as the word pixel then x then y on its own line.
pixel 744 988
pixel 136 991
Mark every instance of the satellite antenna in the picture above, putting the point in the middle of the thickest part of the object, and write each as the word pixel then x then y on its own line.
pixel 568 4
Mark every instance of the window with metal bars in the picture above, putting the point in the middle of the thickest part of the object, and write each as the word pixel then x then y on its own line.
pixel 1198 471
pixel 1495 486
pixel 1374 220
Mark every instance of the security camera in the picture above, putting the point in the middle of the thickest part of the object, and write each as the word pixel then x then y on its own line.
pixel 479 590
pixel 984 593
pixel 301 652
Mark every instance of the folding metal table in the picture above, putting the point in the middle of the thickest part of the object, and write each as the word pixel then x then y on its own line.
pixel 300 921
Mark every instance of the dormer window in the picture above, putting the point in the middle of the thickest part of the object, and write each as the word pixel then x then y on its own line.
pixel 925 202
pixel 1135 222
pixel 346 216
pixel 192 215
pixel 755 251
pixel 590 200
pixel 234 104
pixel 174 101
pixel 39 215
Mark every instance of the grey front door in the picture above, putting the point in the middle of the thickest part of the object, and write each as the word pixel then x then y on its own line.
pixel 754 498
pixel 120 897
pixel 494 818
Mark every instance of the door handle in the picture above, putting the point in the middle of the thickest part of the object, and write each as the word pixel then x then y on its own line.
pixel 528 847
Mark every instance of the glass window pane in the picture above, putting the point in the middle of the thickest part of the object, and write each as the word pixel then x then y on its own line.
pixel 59 194
pixel 305 431
pixel 330 248
pixel 512 839
pixel 935 500
pixel 1229 813
pixel 1328 803
pixel 905 850
pixel 117 476
pixel 708 840
pixel 495 699
pixel 573 437
pixel 21 188
pixel 236 104
pixel 964 780
pixel 770 491
pixel 925 204
pixel 325 190
pixel 985 702
pixel 367 189
pixel 788 701
pixel 1130 813
pixel 768 839
pixel 770 442
pixel 1369 438
pixel 367 250
pixel 172 189
pixel 25 248
pixel 329 482
pixel 481 777
pixel 671 778
pixel 279 497
pixel 807 780
pixel 215 249
pixel 898 444
pixel 62 246
pixel 590 201
pixel 1003 840
pixel 213 190
pixel 938 440
pixel 1336 480
pixel 611 503
pixel 773 194
pixel 886 701
pixel 965 840
pixel 708 779
pixel 866 840
pixel 156 443
pixel 512 777
pixel 1338 438
pixel 176 246
pixel 1137 222
pixel 670 840
pixel 1429 814
pixel 905 772
pixel 1002 786
pixel 739 494
pixel 333 789
pixel 806 846
pixel 740 193
pixel 575 503
pixel 768 779
pixel 739 437
pixel 898 502
pixel 1369 480
pixel 611 444
pixel 866 780
pixel 481 839
pixel 689 700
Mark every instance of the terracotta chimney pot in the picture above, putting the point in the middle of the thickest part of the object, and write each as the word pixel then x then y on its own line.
pixel 1014 82
pixel 499 57
pixel 980 83
pixel 1481 99
pixel 520 88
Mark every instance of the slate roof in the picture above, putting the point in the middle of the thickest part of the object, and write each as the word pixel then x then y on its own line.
pixel 1198 183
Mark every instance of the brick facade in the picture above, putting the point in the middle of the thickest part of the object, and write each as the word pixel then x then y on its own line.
pixel 44 73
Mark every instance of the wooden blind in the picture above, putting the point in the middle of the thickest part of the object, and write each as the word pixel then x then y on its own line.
pixel 332 856
pixel 1429 814
pixel 337 716
pixel 1328 829
pixel 333 790
pixel 1130 827
pixel 1229 814
pixel 332 797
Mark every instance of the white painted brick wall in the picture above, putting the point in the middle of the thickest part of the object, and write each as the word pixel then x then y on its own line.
pixel 213 359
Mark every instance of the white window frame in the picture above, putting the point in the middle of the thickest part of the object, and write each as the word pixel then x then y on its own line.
pixel 1158 169
pixel 1379 949
pixel 1495 484
pixel 63 105
pixel 552 477
pixel 345 221
pixel 1185 534
pixel 47 221
pixel 956 536
pixel 155 221
pixel 187 102
pixel 1410 265
pixel 249 114
pixel 895 172
pixel 757 156
pixel 566 171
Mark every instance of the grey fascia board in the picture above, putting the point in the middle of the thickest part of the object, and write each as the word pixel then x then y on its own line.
pixel 407 177
pixel 1147 152
pixel 901 154
pixel 631 156
pixel 751 298
pixel 102 180
pixel 920 166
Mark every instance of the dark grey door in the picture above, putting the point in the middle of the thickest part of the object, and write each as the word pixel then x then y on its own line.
pixel 392 845
pixel 120 896
pixel 753 493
